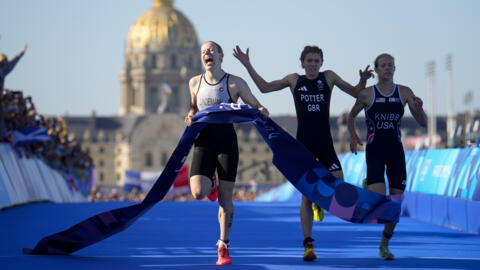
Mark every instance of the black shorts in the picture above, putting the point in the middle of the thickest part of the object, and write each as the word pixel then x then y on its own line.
pixel 325 153
pixel 216 148
pixel 392 157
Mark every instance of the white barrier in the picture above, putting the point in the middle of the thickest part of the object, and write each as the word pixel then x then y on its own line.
pixel 24 180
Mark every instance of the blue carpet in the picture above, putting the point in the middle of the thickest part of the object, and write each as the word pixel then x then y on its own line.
pixel 175 235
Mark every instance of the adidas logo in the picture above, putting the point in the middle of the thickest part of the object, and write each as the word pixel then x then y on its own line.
pixel 333 167
pixel 303 88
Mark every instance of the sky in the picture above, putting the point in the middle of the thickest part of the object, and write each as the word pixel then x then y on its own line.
pixel 76 48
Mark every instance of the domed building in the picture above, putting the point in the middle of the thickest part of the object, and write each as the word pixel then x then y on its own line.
pixel 162 52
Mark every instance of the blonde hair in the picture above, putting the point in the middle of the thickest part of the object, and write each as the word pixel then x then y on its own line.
pixel 219 48
pixel 3 57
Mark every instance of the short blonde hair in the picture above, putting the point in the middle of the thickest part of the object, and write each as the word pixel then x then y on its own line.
pixel 219 48
pixel 3 57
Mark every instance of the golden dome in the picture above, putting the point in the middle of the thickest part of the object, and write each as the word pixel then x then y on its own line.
pixel 162 25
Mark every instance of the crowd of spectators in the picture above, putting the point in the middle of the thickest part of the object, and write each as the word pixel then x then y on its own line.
pixel 19 116
pixel 17 113
pixel 241 193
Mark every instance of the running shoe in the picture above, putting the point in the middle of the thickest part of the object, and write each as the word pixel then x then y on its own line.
pixel 364 183
pixel 223 256
pixel 385 253
pixel 309 254
pixel 318 212
pixel 213 195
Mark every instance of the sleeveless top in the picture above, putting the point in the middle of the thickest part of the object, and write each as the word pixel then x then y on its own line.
pixel 212 94
pixel 312 104
pixel 384 116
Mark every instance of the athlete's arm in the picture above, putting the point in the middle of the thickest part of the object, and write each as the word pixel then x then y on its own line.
pixel 239 88
pixel 192 85
pixel 415 104
pixel 360 104
pixel 263 85
pixel 345 86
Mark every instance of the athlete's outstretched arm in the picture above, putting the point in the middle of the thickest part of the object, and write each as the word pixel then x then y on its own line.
pixel 239 88
pixel 263 85
pixel 192 85
pixel 348 88
pixel 357 107
pixel 415 104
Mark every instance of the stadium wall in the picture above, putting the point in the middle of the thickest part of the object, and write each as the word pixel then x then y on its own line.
pixel 442 186
pixel 25 180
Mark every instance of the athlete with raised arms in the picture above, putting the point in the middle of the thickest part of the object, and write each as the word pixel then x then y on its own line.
pixel 311 94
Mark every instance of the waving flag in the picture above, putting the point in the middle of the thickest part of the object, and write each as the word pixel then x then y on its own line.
pixel 30 135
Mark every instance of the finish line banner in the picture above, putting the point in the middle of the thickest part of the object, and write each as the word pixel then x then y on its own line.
pixel 296 163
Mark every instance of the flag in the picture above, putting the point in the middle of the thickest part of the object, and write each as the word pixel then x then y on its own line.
pixel 166 89
pixel 29 135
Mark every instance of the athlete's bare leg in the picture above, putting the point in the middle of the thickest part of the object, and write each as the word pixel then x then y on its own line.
pixel 389 228
pixel 225 210
pixel 200 186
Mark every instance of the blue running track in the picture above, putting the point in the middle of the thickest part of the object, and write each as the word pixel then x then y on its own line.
pixel 174 235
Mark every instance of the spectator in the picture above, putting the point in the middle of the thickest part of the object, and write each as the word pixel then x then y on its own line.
pixel 6 66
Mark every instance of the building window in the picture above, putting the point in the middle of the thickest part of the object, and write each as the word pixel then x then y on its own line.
pixel 101 150
pixel 133 93
pixel 153 64
pixel 101 177
pixel 137 61
pixel 254 149
pixel 173 99
pixel 100 163
pixel 154 100
pixel 148 159
pixel 164 158
pixel 173 61
pixel 119 163
pixel 118 177
pixel 240 149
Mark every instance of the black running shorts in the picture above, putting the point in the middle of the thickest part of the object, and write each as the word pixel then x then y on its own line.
pixel 216 148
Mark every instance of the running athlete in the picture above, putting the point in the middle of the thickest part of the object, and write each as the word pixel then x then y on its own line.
pixel 216 147
pixel 384 107
pixel 311 94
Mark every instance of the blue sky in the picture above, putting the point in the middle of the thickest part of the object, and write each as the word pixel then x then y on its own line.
pixel 76 47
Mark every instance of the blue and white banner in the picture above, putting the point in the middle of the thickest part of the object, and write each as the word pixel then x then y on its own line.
pixel 295 162
pixel 30 135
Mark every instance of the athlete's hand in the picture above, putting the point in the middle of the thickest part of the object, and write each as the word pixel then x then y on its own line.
pixel 366 73
pixel 188 120
pixel 263 112
pixel 354 140
pixel 244 58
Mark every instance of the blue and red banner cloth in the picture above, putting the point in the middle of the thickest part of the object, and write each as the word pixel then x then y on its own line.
pixel 297 164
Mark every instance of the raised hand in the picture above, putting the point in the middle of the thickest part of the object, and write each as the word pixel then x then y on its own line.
pixel 244 58
pixel 366 73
